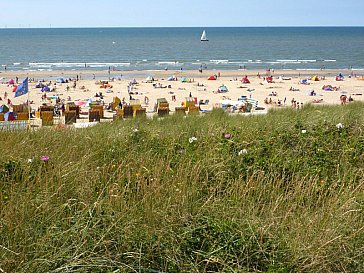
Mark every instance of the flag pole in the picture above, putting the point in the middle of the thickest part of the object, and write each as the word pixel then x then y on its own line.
pixel 29 108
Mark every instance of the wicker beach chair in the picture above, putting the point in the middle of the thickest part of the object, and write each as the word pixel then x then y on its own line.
pixel 193 110
pixel 47 118
pixel 163 111
pixel 22 116
pixel 18 109
pixel 142 112
pixel 128 111
pixel 94 115
pixel 70 117
pixel 73 107
pixel 99 108
pixel 180 110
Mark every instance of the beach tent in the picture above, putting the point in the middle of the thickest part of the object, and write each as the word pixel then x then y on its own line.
pixel 227 103
pixel 245 80
pixel 212 78
pixel 89 101
pixel 303 81
pixel 172 78
pixel 61 80
pixel 46 89
pixel 184 79
pixel 9 116
pixel 315 78
pixel 11 82
pixel 222 89
pixel 149 79
pixel 4 109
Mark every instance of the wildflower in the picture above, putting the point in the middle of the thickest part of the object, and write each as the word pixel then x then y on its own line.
pixel 30 160
pixel 304 131
pixel 44 158
pixel 192 139
pixel 243 151
pixel 339 126
pixel 227 136
pixel 135 130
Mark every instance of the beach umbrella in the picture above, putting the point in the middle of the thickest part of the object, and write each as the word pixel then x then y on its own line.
pixel 149 79
pixel 212 78
pixel 245 80
pixel 4 109
pixel 61 80
pixel 46 89
pixel 222 89
pixel 80 103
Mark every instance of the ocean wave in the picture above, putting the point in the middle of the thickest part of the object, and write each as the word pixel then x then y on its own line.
pixel 307 61
pixel 49 65
pixel 287 61
pixel 329 61
pixel 169 63
pixel 308 69
pixel 219 61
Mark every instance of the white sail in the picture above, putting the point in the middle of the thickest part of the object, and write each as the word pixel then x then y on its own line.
pixel 203 36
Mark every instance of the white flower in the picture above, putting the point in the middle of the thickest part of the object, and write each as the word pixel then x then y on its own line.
pixel 192 139
pixel 339 126
pixel 304 131
pixel 243 151
pixel 135 130
pixel 30 160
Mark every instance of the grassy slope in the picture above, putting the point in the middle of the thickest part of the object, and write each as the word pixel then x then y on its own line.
pixel 139 197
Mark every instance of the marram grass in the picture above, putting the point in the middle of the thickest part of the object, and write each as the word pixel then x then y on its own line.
pixel 282 192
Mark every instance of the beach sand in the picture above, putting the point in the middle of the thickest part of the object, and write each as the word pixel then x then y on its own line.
pixel 350 86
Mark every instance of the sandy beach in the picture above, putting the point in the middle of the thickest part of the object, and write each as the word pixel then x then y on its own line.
pixel 277 93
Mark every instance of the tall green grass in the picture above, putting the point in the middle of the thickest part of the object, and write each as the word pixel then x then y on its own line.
pixel 283 193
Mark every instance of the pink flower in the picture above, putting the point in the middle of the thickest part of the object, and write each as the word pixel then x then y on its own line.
pixel 44 158
pixel 227 136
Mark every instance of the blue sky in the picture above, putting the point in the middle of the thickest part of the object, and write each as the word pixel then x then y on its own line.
pixel 149 13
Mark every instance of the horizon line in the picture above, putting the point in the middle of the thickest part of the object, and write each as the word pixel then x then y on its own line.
pixel 274 26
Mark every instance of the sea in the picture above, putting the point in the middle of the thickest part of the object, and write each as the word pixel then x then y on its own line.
pixel 228 48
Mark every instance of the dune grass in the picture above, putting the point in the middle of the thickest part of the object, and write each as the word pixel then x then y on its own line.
pixel 282 192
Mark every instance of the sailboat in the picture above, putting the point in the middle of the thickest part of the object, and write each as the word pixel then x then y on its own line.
pixel 204 37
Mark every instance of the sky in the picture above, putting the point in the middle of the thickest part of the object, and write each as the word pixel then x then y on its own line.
pixel 180 13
